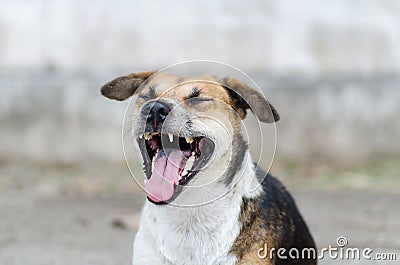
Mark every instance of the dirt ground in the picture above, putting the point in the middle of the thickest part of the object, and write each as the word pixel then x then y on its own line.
pixel 64 216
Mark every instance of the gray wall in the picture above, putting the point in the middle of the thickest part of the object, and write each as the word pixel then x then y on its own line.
pixel 311 36
pixel 62 117
pixel 331 68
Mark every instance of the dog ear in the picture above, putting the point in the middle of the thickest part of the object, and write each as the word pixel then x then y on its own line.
pixel 244 97
pixel 124 87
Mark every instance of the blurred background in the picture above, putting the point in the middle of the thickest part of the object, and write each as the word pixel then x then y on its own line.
pixel 331 68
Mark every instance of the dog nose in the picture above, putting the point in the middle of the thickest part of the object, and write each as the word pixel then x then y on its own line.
pixel 156 112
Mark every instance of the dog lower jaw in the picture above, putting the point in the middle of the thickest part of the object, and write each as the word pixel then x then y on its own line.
pixel 195 235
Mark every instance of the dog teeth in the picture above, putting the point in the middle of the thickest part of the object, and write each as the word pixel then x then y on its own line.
pixel 189 164
pixel 153 161
pixel 156 155
pixel 189 140
pixel 193 153
pixel 148 136
pixel 140 136
pixel 171 137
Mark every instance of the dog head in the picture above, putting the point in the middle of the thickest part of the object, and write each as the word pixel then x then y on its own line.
pixel 188 129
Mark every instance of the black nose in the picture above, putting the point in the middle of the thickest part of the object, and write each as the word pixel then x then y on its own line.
pixel 156 112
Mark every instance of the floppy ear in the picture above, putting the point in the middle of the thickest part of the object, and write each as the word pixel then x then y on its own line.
pixel 124 87
pixel 244 97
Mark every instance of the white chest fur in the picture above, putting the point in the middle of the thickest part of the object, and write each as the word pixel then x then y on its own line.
pixel 199 235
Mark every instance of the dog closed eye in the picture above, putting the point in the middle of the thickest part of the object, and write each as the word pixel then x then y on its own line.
pixel 194 97
pixel 145 97
pixel 197 100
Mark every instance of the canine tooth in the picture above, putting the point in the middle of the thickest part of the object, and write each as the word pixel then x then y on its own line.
pixel 147 136
pixel 156 155
pixel 153 161
pixel 193 153
pixel 171 137
pixel 140 136
pixel 189 163
pixel 189 140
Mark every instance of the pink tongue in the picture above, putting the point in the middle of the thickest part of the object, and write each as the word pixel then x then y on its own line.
pixel 160 187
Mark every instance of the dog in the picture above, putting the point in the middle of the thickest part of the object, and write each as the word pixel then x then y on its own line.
pixel 200 208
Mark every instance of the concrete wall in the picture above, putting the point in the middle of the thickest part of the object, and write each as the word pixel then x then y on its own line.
pixel 311 36
pixel 62 117
pixel 331 68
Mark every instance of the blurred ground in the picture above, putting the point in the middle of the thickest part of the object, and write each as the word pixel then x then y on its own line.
pixel 88 214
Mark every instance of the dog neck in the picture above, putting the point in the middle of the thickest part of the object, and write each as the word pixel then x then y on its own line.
pixel 184 234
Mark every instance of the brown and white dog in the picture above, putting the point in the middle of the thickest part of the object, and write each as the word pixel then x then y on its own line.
pixel 189 133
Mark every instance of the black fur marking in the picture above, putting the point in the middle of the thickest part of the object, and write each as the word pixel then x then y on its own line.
pixel 244 97
pixel 272 218
pixel 239 144
pixel 152 92
pixel 237 100
pixel 195 92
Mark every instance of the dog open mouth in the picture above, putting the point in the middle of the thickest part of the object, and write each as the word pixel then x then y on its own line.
pixel 171 161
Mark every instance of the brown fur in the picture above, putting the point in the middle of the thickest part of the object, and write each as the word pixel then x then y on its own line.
pixel 253 235
pixel 124 87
